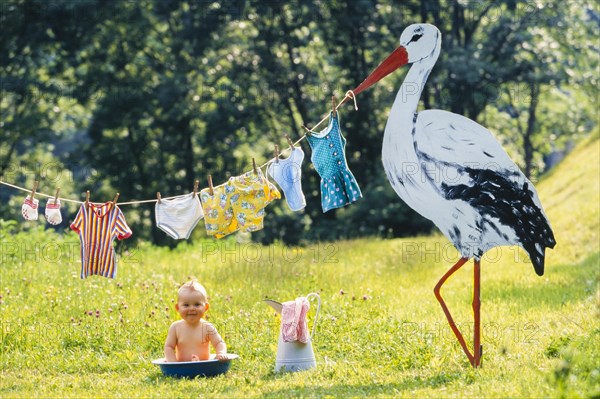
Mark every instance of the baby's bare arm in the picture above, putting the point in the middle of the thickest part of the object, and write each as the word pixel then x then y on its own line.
pixel 170 344
pixel 217 342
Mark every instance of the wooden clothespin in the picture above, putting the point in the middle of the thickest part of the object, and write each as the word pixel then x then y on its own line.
pixel 196 183
pixel 87 199
pixel 333 106
pixel 158 197
pixel 290 142
pixel 210 186
pixel 254 166
pixel 56 195
pixel 116 199
pixel 35 186
pixel 276 153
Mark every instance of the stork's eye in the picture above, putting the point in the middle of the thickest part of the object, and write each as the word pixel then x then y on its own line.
pixel 416 37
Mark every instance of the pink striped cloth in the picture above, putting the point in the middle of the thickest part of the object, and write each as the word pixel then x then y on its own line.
pixel 294 326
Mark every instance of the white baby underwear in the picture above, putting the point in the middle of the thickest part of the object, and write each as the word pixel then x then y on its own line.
pixel 178 216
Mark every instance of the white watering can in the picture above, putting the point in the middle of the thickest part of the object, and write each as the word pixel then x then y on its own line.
pixel 295 356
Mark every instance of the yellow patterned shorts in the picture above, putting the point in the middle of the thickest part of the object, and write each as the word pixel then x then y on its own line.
pixel 238 204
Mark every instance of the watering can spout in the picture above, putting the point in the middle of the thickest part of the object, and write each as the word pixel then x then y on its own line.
pixel 275 305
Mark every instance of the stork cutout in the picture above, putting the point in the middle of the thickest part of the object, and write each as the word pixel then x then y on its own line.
pixel 453 171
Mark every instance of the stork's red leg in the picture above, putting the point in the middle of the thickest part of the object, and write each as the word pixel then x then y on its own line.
pixel 436 291
pixel 476 306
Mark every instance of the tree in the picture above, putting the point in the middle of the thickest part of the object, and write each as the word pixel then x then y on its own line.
pixel 545 89
pixel 37 46
pixel 148 96
pixel 143 69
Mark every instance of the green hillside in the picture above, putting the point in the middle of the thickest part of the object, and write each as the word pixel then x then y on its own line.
pixel 571 194
pixel 380 333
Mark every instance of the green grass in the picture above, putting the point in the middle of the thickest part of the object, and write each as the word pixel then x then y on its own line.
pixel 386 336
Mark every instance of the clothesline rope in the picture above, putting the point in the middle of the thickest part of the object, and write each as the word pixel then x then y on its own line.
pixel 81 202
pixel 349 95
pixel 38 193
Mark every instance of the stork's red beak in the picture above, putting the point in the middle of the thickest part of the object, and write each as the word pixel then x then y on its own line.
pixel 394 61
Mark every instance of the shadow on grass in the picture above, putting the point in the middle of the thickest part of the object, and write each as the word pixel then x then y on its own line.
pixel 583 278
pixel 327 389
pixel 345 390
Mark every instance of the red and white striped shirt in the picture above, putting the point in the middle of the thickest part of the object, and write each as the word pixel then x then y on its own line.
pixel 98 227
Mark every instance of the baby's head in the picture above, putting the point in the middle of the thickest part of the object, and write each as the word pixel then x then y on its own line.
pixel 192 301
pixel 192 286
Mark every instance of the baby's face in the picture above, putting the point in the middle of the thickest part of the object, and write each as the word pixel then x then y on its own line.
pixel 191 305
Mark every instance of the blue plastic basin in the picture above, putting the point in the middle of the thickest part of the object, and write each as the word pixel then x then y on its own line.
pixel 201 368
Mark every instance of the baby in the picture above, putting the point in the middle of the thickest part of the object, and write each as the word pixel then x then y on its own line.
pixel 188 339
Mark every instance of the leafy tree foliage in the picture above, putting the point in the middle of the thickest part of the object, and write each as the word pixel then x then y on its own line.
pixel 147 96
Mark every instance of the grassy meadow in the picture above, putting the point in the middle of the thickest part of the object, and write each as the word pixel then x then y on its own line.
pixel 380 333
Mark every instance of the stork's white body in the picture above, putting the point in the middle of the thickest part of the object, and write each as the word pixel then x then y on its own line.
pixel 454 172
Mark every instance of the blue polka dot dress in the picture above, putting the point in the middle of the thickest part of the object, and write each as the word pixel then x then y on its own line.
pixel 338 185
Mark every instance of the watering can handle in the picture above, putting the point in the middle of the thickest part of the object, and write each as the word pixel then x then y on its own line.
pixel 317 314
